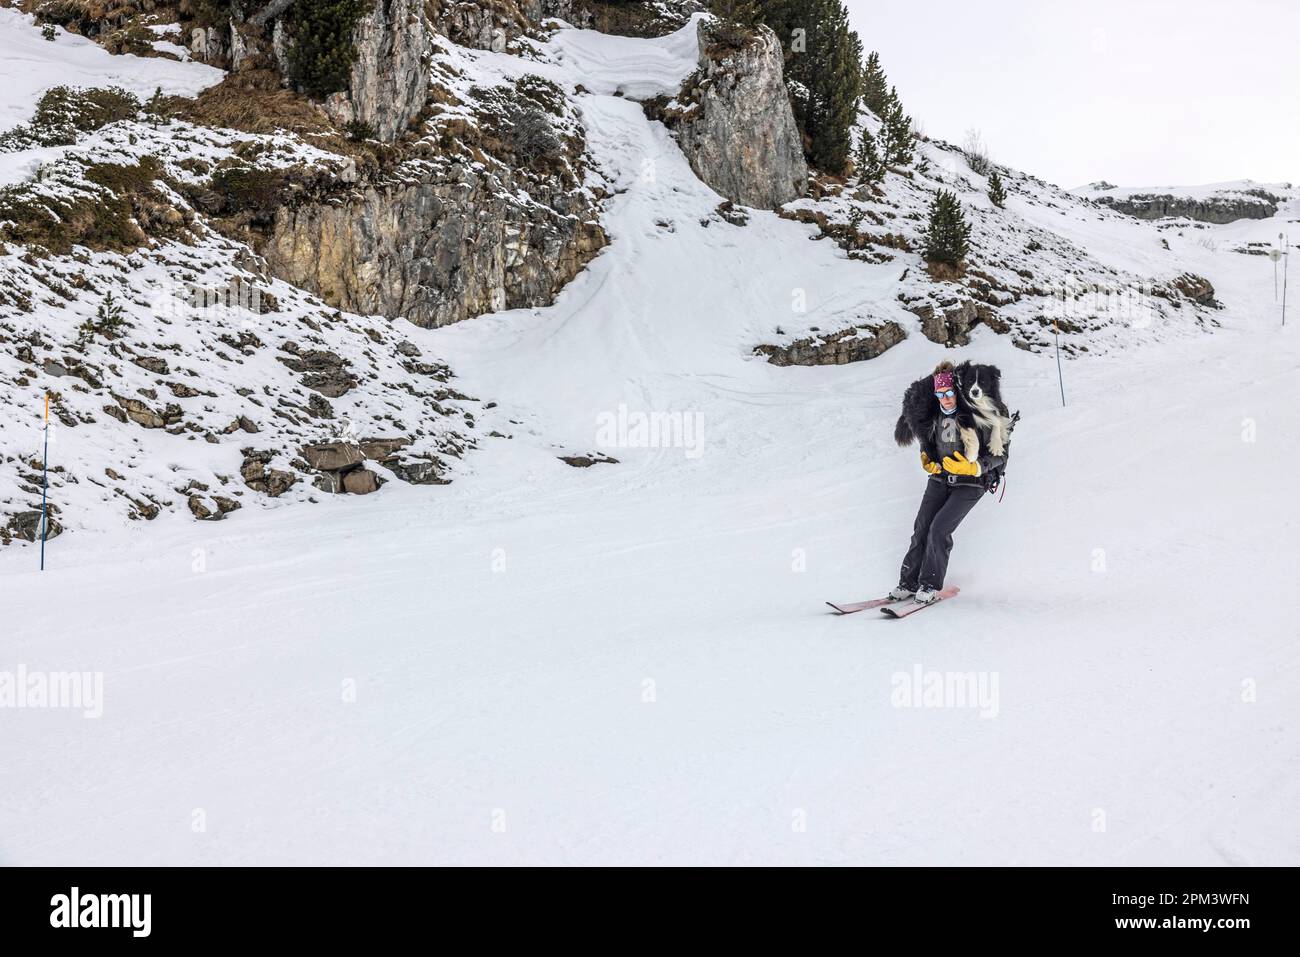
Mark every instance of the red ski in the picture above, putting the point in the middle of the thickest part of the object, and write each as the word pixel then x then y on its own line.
pixel 848 608
pixel 903 609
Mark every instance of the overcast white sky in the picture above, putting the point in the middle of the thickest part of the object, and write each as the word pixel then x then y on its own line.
pixel 1143 93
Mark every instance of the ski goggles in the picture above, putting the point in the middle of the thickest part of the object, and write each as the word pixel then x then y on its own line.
pixel 945 394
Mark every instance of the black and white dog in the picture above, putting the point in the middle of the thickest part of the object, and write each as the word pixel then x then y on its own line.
pixel 982 416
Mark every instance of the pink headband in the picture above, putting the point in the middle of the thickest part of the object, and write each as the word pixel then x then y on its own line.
pixel 943 380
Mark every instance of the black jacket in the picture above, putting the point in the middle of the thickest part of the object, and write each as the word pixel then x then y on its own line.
pixel 948 436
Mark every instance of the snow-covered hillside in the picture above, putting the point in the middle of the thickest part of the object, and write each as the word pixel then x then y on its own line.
pixel 220 373
pixel 632 662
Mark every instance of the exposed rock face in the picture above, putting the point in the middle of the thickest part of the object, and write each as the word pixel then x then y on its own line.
pixel 483 26
pixel 1196 288
pixel 384 450
pixel 360 482
pixel 27 526
pixel 256 475
pixel 340 464
pixel 201 511
pixel 950 325
pixel 389 80
pixel 323 371
pixel 587 461
pixel 733 121
pixel 210 44
pixel 1189 286
pixel 848 345
pixel 333 456
pixel 143 415
pixel 438 238
pixel 438 250
pixel 388 84
pixel 1226 207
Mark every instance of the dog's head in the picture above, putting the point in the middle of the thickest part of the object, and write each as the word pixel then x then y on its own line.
pixel 978 385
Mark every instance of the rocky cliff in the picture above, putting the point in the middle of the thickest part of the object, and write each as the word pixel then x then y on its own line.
pixel 389 80
pixel 734 122
pixel 447 246
pixel 489 210
pixel 386 85
pixel 1221 209
pixel 1222 203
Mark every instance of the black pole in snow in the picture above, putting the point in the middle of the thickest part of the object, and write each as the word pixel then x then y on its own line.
pixel 1059 377
pixel 1286 261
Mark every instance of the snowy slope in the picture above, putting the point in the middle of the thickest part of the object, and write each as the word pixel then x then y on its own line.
pixel 632 663
pixel 32 64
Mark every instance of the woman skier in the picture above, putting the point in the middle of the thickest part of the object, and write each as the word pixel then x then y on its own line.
pixel 963 427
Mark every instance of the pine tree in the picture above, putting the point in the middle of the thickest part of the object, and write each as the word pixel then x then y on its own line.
pixel 320 60
pixel 947 240
pixel 870 168
pixel 156 107
pixel 824 64
pixel 108 322
pixel 896 135
pixel 997 194
pixel 839 96
pixel 736 20
pixel 745 13
pixel 875 87
pixel 856 215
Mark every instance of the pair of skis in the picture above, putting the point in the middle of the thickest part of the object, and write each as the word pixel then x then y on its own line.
pixel 892 608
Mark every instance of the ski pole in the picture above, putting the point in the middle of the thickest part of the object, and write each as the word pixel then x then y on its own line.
pixel 45 471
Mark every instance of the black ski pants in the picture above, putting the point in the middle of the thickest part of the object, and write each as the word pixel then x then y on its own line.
pixel 942 509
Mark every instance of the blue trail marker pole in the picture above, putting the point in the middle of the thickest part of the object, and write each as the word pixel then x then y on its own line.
pixel 45 471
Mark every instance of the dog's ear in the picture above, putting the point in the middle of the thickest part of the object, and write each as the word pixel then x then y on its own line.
pixel 995 388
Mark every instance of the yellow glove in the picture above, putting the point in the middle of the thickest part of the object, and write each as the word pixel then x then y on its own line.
pixel 931 467
pixel 958 465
